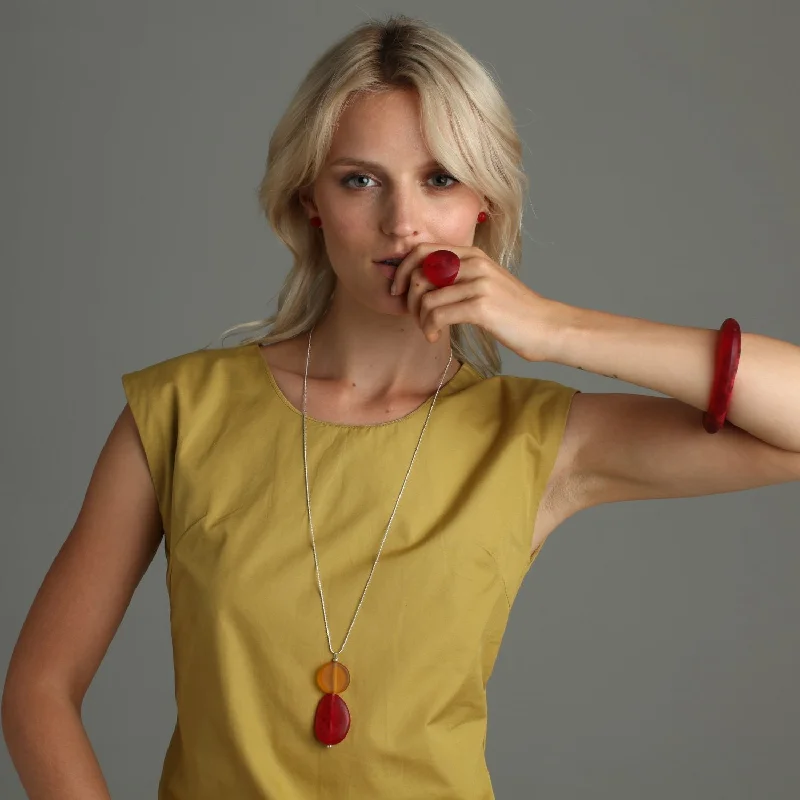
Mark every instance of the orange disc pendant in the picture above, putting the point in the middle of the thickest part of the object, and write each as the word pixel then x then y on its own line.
pixel 333 677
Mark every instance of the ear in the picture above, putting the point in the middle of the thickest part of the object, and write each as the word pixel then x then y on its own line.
pixel 306 197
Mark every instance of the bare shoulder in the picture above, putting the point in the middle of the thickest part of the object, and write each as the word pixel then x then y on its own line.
pixel 280 355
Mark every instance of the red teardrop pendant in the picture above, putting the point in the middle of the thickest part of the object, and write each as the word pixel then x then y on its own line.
pixel 441 267
pixel 332 720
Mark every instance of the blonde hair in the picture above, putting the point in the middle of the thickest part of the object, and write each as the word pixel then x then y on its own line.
pixel 466 124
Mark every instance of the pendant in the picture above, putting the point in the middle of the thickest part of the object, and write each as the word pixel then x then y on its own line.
pixel 332 720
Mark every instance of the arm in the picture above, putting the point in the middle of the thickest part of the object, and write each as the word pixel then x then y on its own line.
pixel 73 619
pixel 679 362
pixel 49 747
pixel 621 447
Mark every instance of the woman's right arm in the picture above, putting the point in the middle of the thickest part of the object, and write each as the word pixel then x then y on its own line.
pixel 73 619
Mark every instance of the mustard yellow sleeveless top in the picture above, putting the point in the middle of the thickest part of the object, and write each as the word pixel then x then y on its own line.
pixel 225 451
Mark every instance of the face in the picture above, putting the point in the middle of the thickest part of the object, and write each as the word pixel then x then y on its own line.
pixel 402 198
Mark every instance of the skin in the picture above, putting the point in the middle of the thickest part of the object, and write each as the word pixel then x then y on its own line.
pixel 368 344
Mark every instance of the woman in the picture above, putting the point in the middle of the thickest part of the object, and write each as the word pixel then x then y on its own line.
pixel 374 425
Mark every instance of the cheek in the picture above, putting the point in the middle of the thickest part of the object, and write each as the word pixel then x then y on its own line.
pixel 349 222
pixel 455 224
pixel 460 232
pixel 345 232
pixel 346 218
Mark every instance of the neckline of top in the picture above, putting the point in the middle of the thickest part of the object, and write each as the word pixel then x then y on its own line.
pixel 267 371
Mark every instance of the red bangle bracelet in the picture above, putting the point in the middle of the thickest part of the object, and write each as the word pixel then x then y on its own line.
pixel 726 364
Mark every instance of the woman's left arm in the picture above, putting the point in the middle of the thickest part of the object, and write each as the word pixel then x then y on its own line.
pixel 623 446
pixel 679 362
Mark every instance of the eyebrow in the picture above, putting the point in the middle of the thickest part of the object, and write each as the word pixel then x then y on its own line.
pixel 373 165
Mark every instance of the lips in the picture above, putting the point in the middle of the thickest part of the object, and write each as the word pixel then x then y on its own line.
pixel 394 257
pixel 387 270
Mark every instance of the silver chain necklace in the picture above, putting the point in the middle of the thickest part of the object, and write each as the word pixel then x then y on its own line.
pixel 332 718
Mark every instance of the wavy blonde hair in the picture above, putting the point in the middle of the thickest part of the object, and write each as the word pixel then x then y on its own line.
pixel 467 126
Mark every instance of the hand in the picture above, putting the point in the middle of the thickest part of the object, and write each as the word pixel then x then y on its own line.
pixel 483 294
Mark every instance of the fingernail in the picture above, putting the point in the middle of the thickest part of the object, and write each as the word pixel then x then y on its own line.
pixel 393 289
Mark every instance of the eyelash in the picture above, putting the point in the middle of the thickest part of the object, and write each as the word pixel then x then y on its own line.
pixel 346 180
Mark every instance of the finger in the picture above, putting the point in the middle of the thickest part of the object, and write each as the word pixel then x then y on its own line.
pixel 401 280
pixel 447 306
pixel 414 259
pixel 418 287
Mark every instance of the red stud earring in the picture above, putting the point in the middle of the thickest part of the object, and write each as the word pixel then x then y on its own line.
pixel 482 217
pixel 316 222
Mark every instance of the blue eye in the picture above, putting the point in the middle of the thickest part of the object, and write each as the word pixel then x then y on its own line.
pixel 446 175
pixel 346 181
pixel 353 176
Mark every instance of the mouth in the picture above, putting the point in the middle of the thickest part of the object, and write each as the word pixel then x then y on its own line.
pixel 393 260
pixel 387 270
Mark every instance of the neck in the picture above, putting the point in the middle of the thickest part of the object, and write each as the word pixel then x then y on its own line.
pixel 374 355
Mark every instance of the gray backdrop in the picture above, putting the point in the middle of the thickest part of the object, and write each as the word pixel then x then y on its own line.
pixel 654 649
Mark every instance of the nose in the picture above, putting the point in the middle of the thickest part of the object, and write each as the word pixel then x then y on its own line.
pixel 401 212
